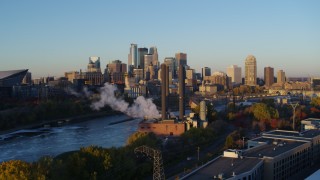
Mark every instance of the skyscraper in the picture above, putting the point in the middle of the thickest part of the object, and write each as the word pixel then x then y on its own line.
pixel 250 71
pixel 181 58
pixel 234 72
pixel 205 71
pixel 142 52
pixel 281 76
pixel 268 76
pixel 94 64
pixel 116 69
pixel 133 57
pixel 171 63
pixel 154 52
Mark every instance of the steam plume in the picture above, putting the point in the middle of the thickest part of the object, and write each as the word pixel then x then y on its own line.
pixel 140 108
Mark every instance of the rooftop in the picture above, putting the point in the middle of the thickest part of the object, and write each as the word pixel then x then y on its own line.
pixel 272 149
pixel 292 134
pixel 5 74
pixel 226 166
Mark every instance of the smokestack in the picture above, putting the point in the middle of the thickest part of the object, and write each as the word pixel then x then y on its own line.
pixel 167 81
pixel 203 111
pixel 182 76
pixel 163 91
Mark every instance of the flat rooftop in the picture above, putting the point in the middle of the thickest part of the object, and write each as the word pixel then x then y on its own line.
pixel 271 149
pixel 292 134
pixel 224 165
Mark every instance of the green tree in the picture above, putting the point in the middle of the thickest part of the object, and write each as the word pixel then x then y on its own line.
pixel 263 112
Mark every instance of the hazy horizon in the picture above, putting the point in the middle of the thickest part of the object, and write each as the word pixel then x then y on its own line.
pixel 50 38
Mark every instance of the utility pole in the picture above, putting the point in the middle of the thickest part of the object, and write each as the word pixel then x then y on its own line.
pixel 294 106
pixel 243 142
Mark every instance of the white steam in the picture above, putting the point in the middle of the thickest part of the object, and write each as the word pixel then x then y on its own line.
pixel 139 109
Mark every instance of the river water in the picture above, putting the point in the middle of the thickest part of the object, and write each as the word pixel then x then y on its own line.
pixel 30 145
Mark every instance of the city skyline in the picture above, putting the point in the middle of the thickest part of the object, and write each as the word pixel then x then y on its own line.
pixel 50 38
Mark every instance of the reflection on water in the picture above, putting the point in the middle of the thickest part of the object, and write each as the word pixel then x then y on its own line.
pixel 30 145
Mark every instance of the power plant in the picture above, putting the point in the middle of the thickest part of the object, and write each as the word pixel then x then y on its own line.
pixel 172 126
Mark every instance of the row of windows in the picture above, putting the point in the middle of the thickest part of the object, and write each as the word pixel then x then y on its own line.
pixel 290 165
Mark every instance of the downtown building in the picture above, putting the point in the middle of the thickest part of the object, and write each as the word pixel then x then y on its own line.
pixel 234 72
pixel 268 76
pixel 276 155
pixel 250 71
pixel 205 71
pixel 93 76
pixel 115 72
pixel 281 77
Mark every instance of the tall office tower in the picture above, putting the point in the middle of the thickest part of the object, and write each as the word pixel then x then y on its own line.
pixel 182 77
pixel 142 52
pixel 147 62
pixel 171 63
pixel 133 57
pixel 94 64
pixel 116 69
pixel 205 71
pixel 190 73
pixel 250 71
pixel 268 76
pixel 234 72
pixel 153 50
pixel 163 91
pixel 181 58
pixel 281 76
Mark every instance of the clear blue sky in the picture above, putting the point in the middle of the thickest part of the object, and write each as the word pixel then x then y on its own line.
pixel 51 37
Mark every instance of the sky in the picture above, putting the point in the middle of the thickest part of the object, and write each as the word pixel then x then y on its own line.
pixel 53 37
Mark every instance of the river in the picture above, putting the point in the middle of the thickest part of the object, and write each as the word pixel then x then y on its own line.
pixel 30 145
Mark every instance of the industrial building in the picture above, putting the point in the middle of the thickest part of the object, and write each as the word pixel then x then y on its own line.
pixel 275 155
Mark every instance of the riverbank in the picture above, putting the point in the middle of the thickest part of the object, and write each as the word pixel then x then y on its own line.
pixel 56 122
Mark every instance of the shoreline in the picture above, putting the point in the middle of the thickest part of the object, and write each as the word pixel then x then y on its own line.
pixel 70 120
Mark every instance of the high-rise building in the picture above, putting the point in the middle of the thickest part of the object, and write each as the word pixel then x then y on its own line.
pixel 205 71
pixel 94 64
pixel 71 75
pixel 181 58
pixel 133 57
pixel 190 74
pixel 268 76
pixel 251 71
pixel 117 69
pixel 281 76
pixel 219 78
pixel 234 72
pixel 148 58
pixel 154 52
pixel 171 63
pixel 142 52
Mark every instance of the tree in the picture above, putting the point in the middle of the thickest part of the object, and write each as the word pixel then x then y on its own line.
pixel 263 112
pixel 229 142
pixel 15 169
pixel 315 102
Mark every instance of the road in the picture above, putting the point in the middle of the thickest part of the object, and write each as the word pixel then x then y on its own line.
pixel 213 149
